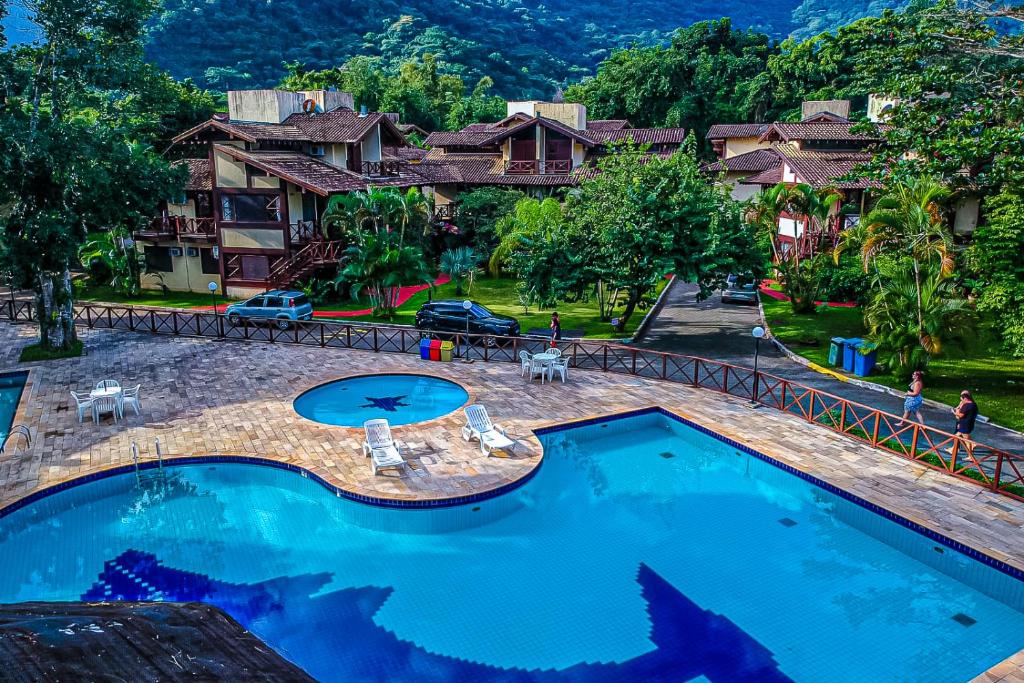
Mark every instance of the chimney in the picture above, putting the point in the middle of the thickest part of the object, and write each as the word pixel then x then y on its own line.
pixel 362 110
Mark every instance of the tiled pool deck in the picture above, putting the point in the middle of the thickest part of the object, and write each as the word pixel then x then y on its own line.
pixel 203 397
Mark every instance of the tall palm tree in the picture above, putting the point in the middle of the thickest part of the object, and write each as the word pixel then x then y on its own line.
pixel 813 205
pixel 907 221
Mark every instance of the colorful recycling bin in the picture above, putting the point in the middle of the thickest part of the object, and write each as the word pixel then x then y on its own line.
pixel 850 352
pixel 435 349
pixel 446 351
pixel 864 359
pixel 835 352
pixel 425 348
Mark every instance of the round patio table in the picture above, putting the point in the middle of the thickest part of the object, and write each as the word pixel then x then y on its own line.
pixel 105 392
pixel 546 358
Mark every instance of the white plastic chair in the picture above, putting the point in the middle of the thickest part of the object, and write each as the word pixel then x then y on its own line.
pixel 491 436
pixel 380 447
pixel 130 399
pixel 108 384
pixel 561 366
pixel 105 404
pixel 538 368
pixel 83 404
pixel 524 363
pixel 554 351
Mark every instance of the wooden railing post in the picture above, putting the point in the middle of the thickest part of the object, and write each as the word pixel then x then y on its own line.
pixel 725 379
pixel 322 342
pixel 874 431
pixel 605 346
pixel 348 335
pixel 954 452
pixel 913 442
pixel 842 417
pixel 999 472
pixel 633 371
pixel 664 366
pixel 375 347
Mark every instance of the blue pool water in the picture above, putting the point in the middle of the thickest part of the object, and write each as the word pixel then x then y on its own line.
pixel 11 386
pixel 643 550
pixel 401 399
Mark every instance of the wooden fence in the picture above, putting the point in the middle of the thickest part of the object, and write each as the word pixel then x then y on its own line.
pixel 990 467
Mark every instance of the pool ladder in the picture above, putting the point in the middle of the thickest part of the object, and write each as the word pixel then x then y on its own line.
pixel 135 460
pixel 17 430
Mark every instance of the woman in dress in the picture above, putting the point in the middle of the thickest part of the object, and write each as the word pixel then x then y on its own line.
pixel 556 329
pixel 913 401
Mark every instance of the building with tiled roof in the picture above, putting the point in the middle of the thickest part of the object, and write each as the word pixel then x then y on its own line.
pixel 537 145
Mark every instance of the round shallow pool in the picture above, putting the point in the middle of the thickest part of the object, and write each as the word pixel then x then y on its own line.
pixel 400 399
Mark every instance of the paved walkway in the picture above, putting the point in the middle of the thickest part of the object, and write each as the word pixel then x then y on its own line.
pixel 722 332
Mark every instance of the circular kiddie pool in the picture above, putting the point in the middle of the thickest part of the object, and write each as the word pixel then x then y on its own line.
pixel 399 398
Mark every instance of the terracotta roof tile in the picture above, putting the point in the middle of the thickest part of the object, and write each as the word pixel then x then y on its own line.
pixel 722 131
pixel 198 173
pixel 607 124
pixel 755 161
pixel 822 130
pixel 641 136
pixel 460 138
pixel 818 169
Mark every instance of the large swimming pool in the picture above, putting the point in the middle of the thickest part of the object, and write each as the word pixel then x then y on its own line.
pixel 643 550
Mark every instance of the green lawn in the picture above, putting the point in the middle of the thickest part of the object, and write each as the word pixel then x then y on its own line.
pixel 499 295
pixel 148 297
pixel 995 379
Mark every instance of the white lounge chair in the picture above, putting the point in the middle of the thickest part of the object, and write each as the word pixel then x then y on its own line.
pixel 380 447
pixel 130 399
pixel 491 436
pixel 83 404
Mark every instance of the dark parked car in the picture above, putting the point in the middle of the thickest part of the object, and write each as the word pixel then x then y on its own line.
pixel 281 307
pixel 739 289
pixel 449 315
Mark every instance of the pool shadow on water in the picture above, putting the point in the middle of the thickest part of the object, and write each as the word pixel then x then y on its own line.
pixel 334 636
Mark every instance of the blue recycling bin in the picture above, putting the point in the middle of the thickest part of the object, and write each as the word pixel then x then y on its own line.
pixel 835 352
pixel 864 363
pixel 850 352
pixel 425 348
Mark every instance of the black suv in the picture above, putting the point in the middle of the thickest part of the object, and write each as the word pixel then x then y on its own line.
pixel 449 315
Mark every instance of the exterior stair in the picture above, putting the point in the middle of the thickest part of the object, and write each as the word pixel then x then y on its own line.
pixel 306 261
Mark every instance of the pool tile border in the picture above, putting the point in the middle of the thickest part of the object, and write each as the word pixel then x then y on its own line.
pixel 951 543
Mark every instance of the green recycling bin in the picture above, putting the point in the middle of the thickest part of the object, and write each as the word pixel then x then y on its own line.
pixel 835 352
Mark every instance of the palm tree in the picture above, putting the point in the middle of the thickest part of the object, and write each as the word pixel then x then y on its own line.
pixel 459 264
pixel 914 314
pixel 813 205
pixel 411 205
pixel 109 249
pixel 380 266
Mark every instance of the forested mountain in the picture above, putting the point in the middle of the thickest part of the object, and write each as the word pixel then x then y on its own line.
pixel 528 47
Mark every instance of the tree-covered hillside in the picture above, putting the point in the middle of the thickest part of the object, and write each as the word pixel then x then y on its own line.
pixel 528 47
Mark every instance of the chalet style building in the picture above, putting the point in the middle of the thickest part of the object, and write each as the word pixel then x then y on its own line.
pixel 821 150
pixel 260 177
pixel 537 147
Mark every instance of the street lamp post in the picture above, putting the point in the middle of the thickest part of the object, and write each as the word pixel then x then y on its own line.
pixel 757 333
pixel 212 286
pixel 466 305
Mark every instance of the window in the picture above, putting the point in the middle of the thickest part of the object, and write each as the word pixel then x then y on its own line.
pixel 210 263
pixel 250 208
pixel 300 300
pixel 479 311
pixel 255 302
pixel 255 267
pixel 316 150
pixel 274 302
pixel 159 258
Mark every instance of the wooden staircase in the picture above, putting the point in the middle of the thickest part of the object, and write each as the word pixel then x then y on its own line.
pixel 306 261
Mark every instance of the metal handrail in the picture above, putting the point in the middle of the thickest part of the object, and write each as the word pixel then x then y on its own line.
pixel 17 430
pixel 995 469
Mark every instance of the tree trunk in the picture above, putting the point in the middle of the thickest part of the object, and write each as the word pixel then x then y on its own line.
pixel 55 309
pixel 627 312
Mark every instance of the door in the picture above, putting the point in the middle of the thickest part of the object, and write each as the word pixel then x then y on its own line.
pixel 557 156
pixel 253 307
pixel 524 150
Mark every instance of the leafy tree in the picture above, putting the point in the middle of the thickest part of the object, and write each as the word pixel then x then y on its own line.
pixel 657 217
pixel 995 260
pixel 460 264
pixel 532 221
pixel 74 155
pixel 121 262
pixel 478 211
pixel 914 315
pixel 379 265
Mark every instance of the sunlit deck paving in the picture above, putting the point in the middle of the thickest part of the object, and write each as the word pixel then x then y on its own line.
pixel 205 397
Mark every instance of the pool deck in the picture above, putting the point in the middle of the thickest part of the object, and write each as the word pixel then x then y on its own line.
pixel 203 397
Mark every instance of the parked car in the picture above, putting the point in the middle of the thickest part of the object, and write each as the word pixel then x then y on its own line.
pixel 449 315
pixel 739 289
pixel 281 307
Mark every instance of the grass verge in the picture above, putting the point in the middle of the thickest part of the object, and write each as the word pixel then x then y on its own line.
pixel 36 352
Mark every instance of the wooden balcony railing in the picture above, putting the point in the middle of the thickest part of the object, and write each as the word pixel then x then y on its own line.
pixel 521 167
pixel 179 226
pixel 301 232
pixel 382 169
pixel 556 167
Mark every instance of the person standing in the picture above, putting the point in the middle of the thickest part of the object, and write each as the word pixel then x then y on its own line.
pixel 556 329
pixel 913 400
pixel 966 413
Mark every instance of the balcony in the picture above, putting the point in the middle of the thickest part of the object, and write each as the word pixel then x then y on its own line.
pixel 302 232
pixel 391 168
pixel 534 167
pixel 445 212
pixel 178 227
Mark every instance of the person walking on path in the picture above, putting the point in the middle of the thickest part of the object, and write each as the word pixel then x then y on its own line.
pixel 965 413
pixel 913 401
pixel 556 329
